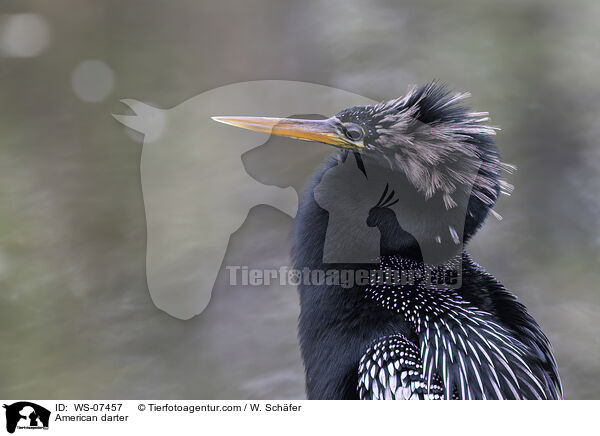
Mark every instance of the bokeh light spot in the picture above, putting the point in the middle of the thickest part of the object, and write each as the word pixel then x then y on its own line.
pixel 23 35
pixel 92 80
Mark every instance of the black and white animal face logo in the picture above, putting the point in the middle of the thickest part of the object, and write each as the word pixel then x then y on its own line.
pixel 26 415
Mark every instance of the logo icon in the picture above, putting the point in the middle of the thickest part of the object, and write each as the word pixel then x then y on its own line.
pixel 26 415
pixel 189 221
pixel 199 184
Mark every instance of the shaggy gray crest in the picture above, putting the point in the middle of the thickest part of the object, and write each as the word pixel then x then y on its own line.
pixel 438 155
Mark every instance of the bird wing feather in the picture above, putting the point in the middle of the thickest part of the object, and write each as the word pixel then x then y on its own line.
pixel 391 369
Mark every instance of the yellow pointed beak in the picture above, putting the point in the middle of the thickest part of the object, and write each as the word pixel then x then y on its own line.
pixel 325 131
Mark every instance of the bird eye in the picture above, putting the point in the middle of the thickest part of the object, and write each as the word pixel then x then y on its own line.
pixel 353 132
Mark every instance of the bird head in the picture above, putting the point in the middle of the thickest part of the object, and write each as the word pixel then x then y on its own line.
pixel 427 135
pixel 438 145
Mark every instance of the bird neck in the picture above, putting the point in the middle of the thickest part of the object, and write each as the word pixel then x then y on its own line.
pixel 395 241
pixel 389 247
pixel 418 228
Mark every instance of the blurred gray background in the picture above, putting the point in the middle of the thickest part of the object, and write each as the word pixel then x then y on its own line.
pixel 76 320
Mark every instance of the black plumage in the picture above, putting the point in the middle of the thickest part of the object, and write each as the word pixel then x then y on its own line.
pixel 463 337
pixel 339 326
